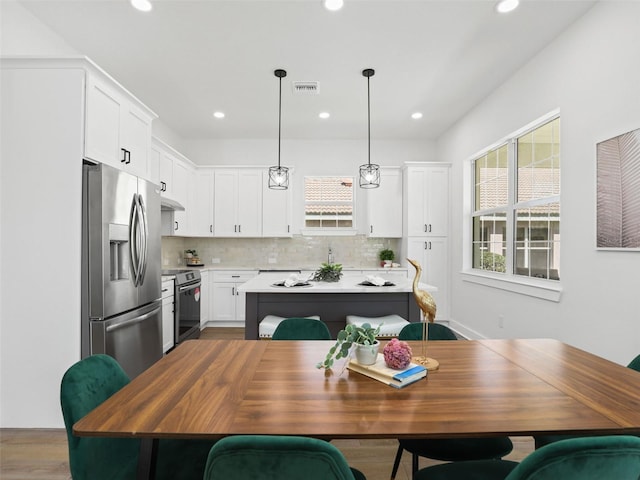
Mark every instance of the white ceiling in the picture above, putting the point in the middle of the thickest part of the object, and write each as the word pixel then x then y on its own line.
pixel 186 59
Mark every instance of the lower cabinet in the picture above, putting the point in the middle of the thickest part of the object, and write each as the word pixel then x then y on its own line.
pixel 168 326
pixel 432 255
pixel 227 304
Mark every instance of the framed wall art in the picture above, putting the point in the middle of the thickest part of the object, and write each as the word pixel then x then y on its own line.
pixel 618 192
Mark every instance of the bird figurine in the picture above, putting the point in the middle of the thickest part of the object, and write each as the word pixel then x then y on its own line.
pixel 424 300
pixel 428 306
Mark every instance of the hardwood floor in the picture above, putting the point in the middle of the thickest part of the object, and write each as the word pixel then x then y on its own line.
pixel 41 454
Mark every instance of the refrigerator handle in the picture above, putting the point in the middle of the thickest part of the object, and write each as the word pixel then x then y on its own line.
pixel 145 238
pixel 133 250
pixel 126 323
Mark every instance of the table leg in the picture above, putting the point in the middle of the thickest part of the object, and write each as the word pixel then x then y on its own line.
pixel 147 459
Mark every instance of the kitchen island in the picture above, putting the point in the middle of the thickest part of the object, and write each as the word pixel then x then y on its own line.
pixel 331 301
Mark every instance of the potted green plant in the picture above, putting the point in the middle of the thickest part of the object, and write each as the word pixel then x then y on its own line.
pixel 361 338
pixel 386 256
pixel 328 272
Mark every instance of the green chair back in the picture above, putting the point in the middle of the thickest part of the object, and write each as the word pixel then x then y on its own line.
pixel 276 457
pixel 301 329
pixel 84 386
pixel 437 331
pixel 589 458
pixel 635 364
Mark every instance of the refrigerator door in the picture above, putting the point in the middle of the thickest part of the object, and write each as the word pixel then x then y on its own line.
pixel 150 282
pixel 111 206
pixel 134 339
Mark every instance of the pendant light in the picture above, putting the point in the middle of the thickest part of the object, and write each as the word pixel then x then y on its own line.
pixel 279 176
pixel 370 172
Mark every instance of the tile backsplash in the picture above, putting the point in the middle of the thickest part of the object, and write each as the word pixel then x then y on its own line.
pixel 298 251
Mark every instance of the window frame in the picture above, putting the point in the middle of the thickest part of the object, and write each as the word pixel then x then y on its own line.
pixel 544 288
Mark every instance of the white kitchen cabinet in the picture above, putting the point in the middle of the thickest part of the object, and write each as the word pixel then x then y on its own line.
pixel 205 298
pixel 201 223
pixel 426 226
pixel 426 199
pixel 237 202
pixel 117 127
pixel 168 325
pixel 182 176
pixel 384 205
pixel 227 304
pixel 433 256
pixel 276 209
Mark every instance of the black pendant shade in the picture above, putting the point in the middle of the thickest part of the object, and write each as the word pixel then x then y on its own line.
pixel 279 176
pixel 369 172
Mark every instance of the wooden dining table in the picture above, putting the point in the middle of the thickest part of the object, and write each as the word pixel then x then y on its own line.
pixel 208 389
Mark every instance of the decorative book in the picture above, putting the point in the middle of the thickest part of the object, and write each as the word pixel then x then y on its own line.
pixel 381 372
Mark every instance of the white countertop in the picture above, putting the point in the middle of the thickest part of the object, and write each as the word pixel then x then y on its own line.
pixel 348 284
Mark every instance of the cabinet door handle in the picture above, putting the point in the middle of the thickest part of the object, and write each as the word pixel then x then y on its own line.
pixel 425 246
pixel 425 228
pixel 288 228
pixel 163 187
pixel 429 245
pixel 235 229
pixel 211 228
pixel 176 226
pixel 239 228
pixel 233 290
pixel 370 228
pixel 124 156
pixel 235 276
pixel 128 157
pixel 429 228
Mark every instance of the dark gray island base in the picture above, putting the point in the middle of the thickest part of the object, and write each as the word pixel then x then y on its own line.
pixel 332 307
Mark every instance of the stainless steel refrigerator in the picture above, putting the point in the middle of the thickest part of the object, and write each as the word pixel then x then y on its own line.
pixel 121 298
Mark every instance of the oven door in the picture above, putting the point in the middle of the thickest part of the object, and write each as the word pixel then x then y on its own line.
pixel 187 315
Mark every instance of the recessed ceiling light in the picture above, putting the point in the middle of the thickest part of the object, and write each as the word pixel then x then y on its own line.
pixel 142 5
pixel 324 115
pixel 333 5
pixel 416 115
pixel 218 114
pixel 505 6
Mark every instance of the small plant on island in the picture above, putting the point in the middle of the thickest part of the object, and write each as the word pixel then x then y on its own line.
pixel 349 337
pixel 328 272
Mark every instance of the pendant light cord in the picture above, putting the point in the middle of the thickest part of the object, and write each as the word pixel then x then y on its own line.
pixel 279 119
pixel 368 122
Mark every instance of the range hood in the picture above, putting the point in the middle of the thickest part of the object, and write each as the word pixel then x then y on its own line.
pixel 166 204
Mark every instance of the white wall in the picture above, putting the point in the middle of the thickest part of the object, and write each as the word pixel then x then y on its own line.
pixel 592 74
pixel 23 34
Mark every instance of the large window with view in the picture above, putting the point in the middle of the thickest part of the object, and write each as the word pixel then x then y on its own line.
pixel 328 203
pixel 516 210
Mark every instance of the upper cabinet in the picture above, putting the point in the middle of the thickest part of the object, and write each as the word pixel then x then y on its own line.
pixel 426 199
pixel 384 205
pixel 117 127
pixel 276 209
pixel 237 202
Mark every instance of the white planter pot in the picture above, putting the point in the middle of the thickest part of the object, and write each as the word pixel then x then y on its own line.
pixel 367 354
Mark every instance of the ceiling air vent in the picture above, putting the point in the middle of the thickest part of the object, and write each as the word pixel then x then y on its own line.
pixel 307 88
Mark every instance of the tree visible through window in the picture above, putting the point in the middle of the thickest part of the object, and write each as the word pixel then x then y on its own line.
pixel 328 202
pixel 516 212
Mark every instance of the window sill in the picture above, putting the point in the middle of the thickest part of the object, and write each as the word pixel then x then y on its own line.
pixel 544 289
pixel 310 232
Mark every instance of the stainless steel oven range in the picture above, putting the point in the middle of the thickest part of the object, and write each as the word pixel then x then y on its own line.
pixel 187 303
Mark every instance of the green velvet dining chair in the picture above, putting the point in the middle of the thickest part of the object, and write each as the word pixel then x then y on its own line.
pixel 87 384
pixel 615 457
pixel 301 329
pixel 446 449
pixel 268 457
pixel 542 440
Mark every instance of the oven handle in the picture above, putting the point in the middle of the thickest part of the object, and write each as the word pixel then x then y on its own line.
pixel 189 287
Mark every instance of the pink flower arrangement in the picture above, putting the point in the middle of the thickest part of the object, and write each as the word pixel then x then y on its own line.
pixel 397 354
